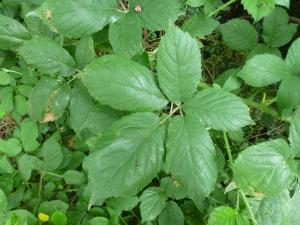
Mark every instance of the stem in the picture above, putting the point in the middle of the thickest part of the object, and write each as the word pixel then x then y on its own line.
pixel 52 174
pixel 228 149
pixel 221 7
pixel 170 115
pixel 252 217
pixel 227 146
pixel 262 108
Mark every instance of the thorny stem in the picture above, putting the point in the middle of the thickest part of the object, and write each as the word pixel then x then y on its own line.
pixel 228 149
pixel 221 7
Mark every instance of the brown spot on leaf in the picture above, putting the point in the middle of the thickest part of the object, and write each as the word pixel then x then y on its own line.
pixel 49 117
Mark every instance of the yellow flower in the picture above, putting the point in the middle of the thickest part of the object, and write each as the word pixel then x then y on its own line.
pixel 43 217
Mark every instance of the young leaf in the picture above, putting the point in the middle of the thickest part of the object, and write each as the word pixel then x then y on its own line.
pixel 48 56
pixel 123 84
pixel 171 215
pixel 79 18
pixel 259 8
pixel 153 201
pixel 239 34
pixel 276 29
pixel 157 14
pixel 172 188
pixel 294 134
pixel 28 136
pixel 85 52
pixel 21 105
pixel 49 99
pixel 264 167
pixel 218 109
pixel 52 154
pixel 179 65
pixel 58 218
pixel 288 94
pixel 293 57
pixel 226 215
pixel 127 157
pixel 125 35
pixel 5 166
pixel 263 70
pixel 12 33
pixel 200 25
pixel 191 157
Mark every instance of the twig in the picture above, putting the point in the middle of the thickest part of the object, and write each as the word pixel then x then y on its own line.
pixel 295 19
pixel 123 6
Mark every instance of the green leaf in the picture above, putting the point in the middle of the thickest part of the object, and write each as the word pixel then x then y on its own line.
pixel 48 56
pixel 21 105
pixel 218 109
pixel 226 215
pixel 5 166
pixel 49 99
pixel 171 215
pixel 4 78
pixel 191 157
pixel 293 57
pixel 288 94
pixel 85 52
pixel 3 201
pixel 295 201
pixel 58 218
pixel 276 28
pixel 200 25
pixel 263 70
pixel 153 201
pixel 28 136
pixel 99 221
pixel 179 65
pixel 264 167
pixel 294 134
pixel 238 34
pixel 74 177
pixel 275 210
pixel 85 114
pixel 229 80
pixel 285 3
pixel 123 204
pixel 259 8
pixel 52 154
pixel 123 84
pixel 12 33
pixel 127 157
pixel 11 147
pixel 195 3
pixel 28 163
pixel 263 49
pixel 79 18
pixel 157 14
pixel 125 35
pixel 173 188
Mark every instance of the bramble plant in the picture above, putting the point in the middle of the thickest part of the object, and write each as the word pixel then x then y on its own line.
pixel 149 112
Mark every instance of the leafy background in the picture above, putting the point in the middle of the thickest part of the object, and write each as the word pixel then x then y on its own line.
pixel 149 112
